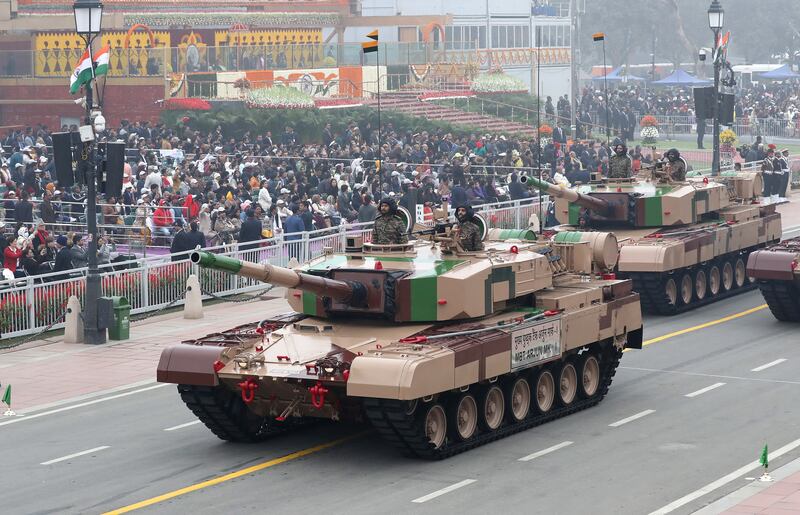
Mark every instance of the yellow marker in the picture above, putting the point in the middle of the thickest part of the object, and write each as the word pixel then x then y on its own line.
pixel 233 475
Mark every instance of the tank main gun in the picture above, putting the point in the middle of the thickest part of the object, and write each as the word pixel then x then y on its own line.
pixel 597 205
pixel 347 292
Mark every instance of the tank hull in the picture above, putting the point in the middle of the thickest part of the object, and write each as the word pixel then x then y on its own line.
pixel 775 270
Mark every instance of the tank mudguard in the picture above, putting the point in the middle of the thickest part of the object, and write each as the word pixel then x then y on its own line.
pixel 188 364
pixel 771 265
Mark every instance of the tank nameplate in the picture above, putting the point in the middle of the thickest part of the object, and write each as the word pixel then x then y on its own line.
pixel 536 344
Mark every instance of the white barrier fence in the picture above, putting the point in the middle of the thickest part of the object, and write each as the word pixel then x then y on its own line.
pixel 31 304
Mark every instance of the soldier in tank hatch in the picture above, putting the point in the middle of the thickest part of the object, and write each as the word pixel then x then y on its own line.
pixel 469 233
pixel 389 228
pixel 677 165
pixel 620 164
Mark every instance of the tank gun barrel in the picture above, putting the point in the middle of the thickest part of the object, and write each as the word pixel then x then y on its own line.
pixel 572 196
pixel 346 292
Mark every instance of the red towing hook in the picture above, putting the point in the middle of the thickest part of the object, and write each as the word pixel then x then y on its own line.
pixel 249 388
pixel 318 395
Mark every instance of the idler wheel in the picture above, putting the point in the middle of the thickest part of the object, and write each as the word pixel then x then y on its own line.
pixel 436 425
pixel 671 291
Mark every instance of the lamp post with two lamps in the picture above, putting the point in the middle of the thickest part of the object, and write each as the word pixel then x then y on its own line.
pixel 716 17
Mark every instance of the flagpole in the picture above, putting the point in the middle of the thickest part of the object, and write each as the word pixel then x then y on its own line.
pixel 378 73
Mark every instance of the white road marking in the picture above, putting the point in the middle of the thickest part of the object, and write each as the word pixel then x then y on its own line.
pixel 767 365
pixel 70 456
pixel 181 426
pixel 81 405
pixel 711 376
pixel 632 418
pixel 537 454
pixel 437 493
pixel 701 391
pixel 724 480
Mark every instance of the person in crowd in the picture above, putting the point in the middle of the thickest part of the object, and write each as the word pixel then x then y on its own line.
pixel 78 252
pixel 367 212
pixel 250 233
pixel 63 255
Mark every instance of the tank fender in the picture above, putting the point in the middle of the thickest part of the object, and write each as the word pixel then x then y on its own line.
pixel 771 265
pixel 188 364
pixel 634 339
pixel 402 374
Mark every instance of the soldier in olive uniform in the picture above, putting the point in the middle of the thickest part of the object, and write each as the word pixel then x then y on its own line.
pixel 620 165
pixel 469 234
pixel 677 165
pixel 389 228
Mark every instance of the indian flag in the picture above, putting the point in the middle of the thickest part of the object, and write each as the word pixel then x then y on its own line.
pixel 101 61
pixel 82 73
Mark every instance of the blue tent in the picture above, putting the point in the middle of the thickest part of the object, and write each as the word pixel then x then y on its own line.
pixel 681 78
pixel 783 73
pixel 614 76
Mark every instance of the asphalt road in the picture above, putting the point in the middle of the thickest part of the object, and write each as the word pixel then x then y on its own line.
pixel 675 446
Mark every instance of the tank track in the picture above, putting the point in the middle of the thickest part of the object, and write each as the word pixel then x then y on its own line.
pixel 405 432
pixel 650 287
pixel 227 416
pixel 783 299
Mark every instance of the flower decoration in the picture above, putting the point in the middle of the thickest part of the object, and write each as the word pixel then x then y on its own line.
pixel 545 130
pixel 648 121
pixel 727 137
pixel 208 19
pixel 279 97
pixel 497 82
pixel 649 134
pixel 186 104
pixel 242 83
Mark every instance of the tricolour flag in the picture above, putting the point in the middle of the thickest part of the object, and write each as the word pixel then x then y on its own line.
pixel 598 36
pixel 7 396
pixel 764 457
pixel 82 73
pixel 101 61
pixel 371 46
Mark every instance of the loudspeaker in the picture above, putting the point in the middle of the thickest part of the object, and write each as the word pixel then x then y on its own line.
pixel 62 155
pixel 726 101
pixel 704 103
pixel 114 169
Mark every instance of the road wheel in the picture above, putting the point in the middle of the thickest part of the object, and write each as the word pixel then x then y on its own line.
pixel 700 284
pixel 463 420
pixel 545 391
pixel 436 425
pixel 493 408
pixel 686 289
pixel 671 291
pixel 519 399
pixel 727 276
pixel 590 376
pixel 739 273
pixel 567 384
pixel 714 280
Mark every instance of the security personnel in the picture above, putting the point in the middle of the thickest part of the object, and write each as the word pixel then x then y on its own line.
pixel 469 233
pixel 783 159
pixel 768 171
pixel 389 228
pixel 620 164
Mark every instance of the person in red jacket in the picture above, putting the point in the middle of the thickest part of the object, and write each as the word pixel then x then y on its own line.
pixel 162 219
pixel 11 256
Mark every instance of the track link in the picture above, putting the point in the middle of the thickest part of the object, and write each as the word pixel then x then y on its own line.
pixel 227 416
pixel 783 299
pixel 406 432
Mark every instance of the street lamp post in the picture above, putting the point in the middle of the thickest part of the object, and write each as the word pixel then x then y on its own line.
pixel 716 17
pixel 88 18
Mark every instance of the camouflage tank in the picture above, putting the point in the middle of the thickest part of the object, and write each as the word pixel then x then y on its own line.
pixel 775 269
pixel 684 244
pixel 441 350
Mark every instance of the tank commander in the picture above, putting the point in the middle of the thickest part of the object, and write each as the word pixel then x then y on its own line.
pixel 677 165
pixel 620 164
pixel 389 228
pixel 469 233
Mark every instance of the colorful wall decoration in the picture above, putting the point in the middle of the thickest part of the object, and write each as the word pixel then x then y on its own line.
pixel 138 51
pixel 240 48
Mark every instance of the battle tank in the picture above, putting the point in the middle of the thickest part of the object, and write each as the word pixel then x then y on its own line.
pixel 683 244
pixel 777 274
pixel 441 350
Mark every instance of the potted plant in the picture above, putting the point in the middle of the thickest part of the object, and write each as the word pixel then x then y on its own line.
pixel 727 140
pixel 649 130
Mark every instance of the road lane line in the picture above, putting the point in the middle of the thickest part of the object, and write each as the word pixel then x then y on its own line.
pixel 75 455
pixel 704 325
pixel 234 475
pixel 537 454
pixel 701 391
pixel 711 376
pixel 437 493
pixel 724 480
pixel 632 418
pixel 81 405
pixel 181 426
pixel 767 365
